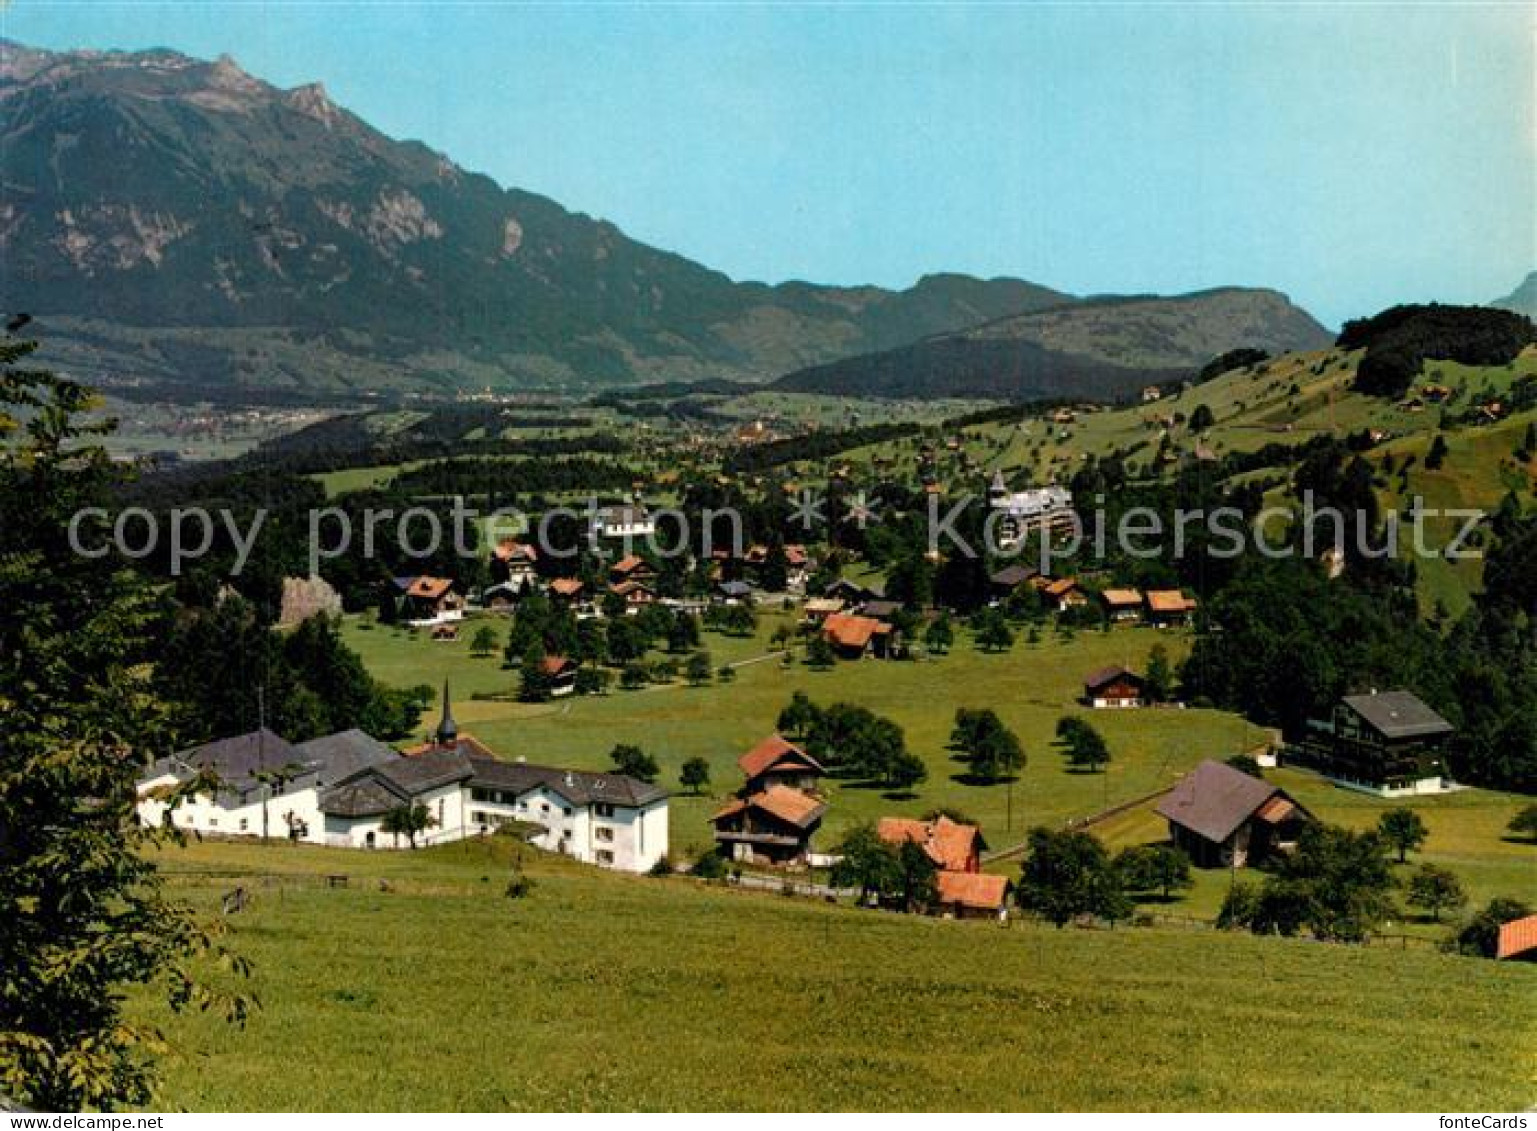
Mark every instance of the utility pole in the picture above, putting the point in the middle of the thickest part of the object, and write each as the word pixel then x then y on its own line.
pixel 261 753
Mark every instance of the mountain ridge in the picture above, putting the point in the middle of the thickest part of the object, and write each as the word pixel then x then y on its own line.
pixel 181 223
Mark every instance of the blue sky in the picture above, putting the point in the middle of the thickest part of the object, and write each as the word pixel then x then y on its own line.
pixel 1352 156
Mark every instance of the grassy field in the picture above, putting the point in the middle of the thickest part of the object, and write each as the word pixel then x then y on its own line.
pixel 1031 687
pixel 601 991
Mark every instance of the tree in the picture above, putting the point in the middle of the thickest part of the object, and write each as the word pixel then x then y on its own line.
pixel 1338 884
pixel 683 632
pixel 819 653
pixel 993 633
pixel 1436 889
pixel 868 863
pixel 1202 418
pixel 1524 823
pixel 1086 747
pixel 534 683
pixel 694 774
pixel 1068 874
pixel 634 676
pixel 1159 683
pixel 85 913
pixel 920 887
pixel 698 669
pixel 484 641
pixel 593 681
pixel 1153 867
pixel 798 716
pixel 409 821
pixel 634 762
pixel 1436 457
pixel 939 636
pixel 992 749
pixel 726 674
pixel 1404 830
pixel 1481 935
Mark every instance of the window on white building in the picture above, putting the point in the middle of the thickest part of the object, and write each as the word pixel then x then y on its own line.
pixel 603 832
pixel 604 856
pixel 603 809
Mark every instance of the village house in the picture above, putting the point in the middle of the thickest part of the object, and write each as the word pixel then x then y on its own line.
pixel 733 592
pixel 502 597
pixel 1122 605
pixel 1007 581
pixel 952 846
pixel 1063 593
pixel 1167 608
pixel 560 672
pixel 513 563
pixel 1222 817
pixel 1114 688
pixel 851 592
pixel 633 567
pixel 818 609
pixel 635 593
pixel 854 637
pixel 1389 743
pixel 776 761
pixel 429 600
pixel 570 591
pixel 972 895
pixel 773 827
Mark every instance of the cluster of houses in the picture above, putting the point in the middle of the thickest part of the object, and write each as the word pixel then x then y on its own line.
pixel 339 790
pixel 1161 608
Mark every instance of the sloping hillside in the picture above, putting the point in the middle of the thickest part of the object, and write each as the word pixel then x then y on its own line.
pixel 1104 348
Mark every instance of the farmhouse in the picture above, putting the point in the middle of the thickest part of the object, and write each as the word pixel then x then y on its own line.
pixel 1114 687
pixel 1122 604
pixel 820 608
pixel 569 590
pixel 1222 817
pixel 501 597
pixel 774 826
pixel 733 592
pixel 513 563
pixel 775 761
pixel 560 671
pixel 632 567
pixel 635 594
pixel 1064 593
pixel 1007 581
pixel 1168 607
pixel 851 592
pixel 952 846
pixel 854 637
pixel 972 895
pixel 430 599
pixel 1389 743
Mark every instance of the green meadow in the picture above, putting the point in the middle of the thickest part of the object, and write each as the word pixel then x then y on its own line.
pixel 601 991
pixel 1031 686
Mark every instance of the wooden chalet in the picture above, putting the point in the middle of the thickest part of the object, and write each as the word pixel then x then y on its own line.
pixel 1169 607
pixel 560 671
pixel 570 590
pixel 430 598
pixel 635 594
pixel 1007 581
pixel 1224 818
pixel 1386 742
pixel 1122 605
pixel 776 761
pixel 1517 940
pixel 972 895
pixel 632 568
pixel 854 637
pixel 1113 688
pixel 773 826
pixel 818 609
pixel 513 563
pixel 1064 593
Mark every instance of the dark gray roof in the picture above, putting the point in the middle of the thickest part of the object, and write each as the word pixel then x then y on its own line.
pixel 735 588
pixel 879 609
pixel 421 773
pixel 1214 799
pixel 580 787
pixel 1013 575
pixel 340 755
pixel 367 796
pixel 1398 714
pixel 234 760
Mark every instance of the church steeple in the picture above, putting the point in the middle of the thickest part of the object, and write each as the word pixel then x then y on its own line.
pixel 448 730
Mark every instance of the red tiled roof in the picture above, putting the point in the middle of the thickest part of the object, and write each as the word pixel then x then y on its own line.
pixel 1120 598
pixel 626 588
pixel 430 587
pixel 465 744
pixel 1061 587
pixel 567 586
pixel 556 665
pixel 770 752
pixel 850 631
pixel 630 564
pixel 1168 601
pixel 948 843
pixel 1517 937
pixel 510 549
pixel 789 805
pixel 973 889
